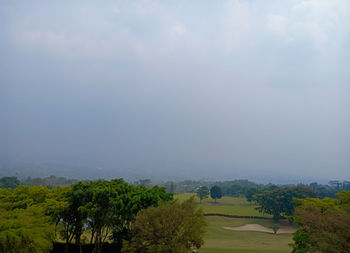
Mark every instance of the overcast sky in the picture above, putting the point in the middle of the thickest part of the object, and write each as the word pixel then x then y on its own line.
pixel 193 89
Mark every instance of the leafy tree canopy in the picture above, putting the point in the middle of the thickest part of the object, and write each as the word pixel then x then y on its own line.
pixel 215 192
pixel 202 193
pixel 324 225
pixel 279 202
pixel 172 227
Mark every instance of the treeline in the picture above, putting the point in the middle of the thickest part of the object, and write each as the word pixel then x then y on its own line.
pixel 100 212
pixel 234 188
pixel 246 188
pixel 51 181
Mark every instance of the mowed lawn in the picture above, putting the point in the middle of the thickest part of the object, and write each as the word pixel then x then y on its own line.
pixel 219 240
pixel 226 205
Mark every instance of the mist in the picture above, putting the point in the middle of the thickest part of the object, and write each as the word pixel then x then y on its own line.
pixel 175 90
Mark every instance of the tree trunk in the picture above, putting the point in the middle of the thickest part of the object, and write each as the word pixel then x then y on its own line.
pixel 98 241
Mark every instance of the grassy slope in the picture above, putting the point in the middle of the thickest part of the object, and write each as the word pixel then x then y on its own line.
pixel 219 240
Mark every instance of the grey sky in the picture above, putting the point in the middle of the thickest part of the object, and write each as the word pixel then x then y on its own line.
pixel 200 89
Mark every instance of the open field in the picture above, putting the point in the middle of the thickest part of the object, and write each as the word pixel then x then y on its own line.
pixel 226 205
pixel 220 240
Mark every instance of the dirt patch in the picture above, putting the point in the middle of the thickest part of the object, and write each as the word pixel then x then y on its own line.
pixel 259 228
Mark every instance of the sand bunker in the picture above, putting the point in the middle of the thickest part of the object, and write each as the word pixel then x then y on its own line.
pixel 259 228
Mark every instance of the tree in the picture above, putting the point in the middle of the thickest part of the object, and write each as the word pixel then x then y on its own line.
pixel 172 227
pixel 202 193
pixel 250 192
pixel 279 202
pixel 106 209
pixel 215 192
pixel 324 225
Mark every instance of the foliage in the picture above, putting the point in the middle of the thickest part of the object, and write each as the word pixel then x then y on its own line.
pixel 250 192
pixel 25 230
pixel 301 242
pixel 279 202
pixel 106 209
pixel 202 193
pixel 31 215
pixel 9 182
pixel 324 225
pixel 331 189
pixel 236 188
pixel 215 192
pixel 25 223
pixel 172 227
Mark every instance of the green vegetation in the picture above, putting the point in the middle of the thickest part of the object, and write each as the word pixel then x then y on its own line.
pixel 202 193
pixel 218 239
pixel 30 216
pixel 215 192
pixel 324 225
pixel 170 228
pixel 25 221
pixel 106 209
pixel 146 219
pixel 279 202
pixel 226 205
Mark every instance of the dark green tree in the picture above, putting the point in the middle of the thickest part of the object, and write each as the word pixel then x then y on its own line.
pixel 250 192
pixel 215 192
pixel 107 208
pixel 279 202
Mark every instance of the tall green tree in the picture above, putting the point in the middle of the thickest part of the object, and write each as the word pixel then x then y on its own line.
pixel 202 193
pixel 170 228
pixel 215 192
pixel 279 202
pixel 106 209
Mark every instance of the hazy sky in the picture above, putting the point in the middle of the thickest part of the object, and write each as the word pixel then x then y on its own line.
pixel 193 89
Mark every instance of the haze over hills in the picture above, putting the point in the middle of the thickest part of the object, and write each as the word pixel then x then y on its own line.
pixel 131 175
pixel 176 90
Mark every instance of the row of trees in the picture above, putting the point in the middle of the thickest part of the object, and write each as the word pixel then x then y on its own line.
pixel 235 188
pixel 51 181
pixel 106 209
pixel 203 193
pixel 277 201
pixel 31 217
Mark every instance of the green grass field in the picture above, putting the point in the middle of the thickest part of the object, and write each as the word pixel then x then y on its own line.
pixel 219 240
pixel 226 205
